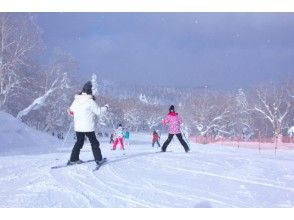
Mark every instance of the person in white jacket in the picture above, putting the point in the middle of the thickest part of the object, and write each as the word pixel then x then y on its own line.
pixel 84 110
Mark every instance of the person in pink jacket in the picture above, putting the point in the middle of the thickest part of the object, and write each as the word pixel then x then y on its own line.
pixel 174 121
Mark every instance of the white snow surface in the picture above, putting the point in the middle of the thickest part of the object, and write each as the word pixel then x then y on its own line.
pixel 17 138
pixel 209 176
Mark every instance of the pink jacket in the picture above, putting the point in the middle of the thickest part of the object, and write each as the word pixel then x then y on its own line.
pixel 174 121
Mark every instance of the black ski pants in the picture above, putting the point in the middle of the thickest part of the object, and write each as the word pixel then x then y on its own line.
pixel 170 137
pixel 79 145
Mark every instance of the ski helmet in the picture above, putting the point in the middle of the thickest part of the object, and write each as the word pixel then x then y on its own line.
pixel 88 88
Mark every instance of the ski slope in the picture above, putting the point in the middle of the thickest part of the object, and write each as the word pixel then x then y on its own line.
pixel 208 176
pixel 17 138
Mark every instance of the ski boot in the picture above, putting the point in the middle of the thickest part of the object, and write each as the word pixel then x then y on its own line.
pixel 74 162
pixel 99 162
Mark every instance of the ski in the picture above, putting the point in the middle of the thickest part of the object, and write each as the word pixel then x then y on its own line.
pixel 68 165
pixel 168 151
pixel 104 161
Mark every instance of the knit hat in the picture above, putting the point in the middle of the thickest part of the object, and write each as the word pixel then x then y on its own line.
pixel 172 108
pixel 88 88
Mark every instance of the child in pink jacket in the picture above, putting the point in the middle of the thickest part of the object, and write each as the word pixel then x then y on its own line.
pixel 173 121
pixel 118 135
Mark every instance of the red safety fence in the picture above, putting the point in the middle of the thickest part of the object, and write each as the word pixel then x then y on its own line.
pixel 261 143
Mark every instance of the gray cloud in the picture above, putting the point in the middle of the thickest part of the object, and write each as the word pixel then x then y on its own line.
pixel 226 50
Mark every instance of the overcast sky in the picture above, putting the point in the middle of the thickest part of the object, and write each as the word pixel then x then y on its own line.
pixel 223 50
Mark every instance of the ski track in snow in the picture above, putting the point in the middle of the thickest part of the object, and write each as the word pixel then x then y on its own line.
pixel 237 179
pixel 209 176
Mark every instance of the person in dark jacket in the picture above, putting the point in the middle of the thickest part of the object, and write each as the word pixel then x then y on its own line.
pixel 111 139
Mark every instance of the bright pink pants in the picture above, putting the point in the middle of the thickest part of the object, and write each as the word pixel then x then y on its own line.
pixel 121 141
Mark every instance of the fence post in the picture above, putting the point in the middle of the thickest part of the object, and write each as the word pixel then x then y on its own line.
pixel 259 140
pixel 276 144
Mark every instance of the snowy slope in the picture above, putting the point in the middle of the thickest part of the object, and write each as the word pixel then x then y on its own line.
pixel 209 176
pixel 18 138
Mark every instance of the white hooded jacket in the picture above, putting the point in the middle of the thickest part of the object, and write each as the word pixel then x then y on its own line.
pixel 84 110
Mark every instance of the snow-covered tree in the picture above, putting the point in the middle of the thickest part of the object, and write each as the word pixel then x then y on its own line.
pixel 210 113
pixel 291 131
pixel 242 100
pixel 132 113
pixel 40 101
pixel 152 117
pixel 154 120
pixel 20 38
pixel 59 101
pixel 274 105
pixel 288 84
pixel 47 109
pixel 94 84
pixel 143 98
pixel 241 116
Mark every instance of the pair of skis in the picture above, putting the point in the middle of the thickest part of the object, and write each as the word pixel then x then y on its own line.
pixel 103 162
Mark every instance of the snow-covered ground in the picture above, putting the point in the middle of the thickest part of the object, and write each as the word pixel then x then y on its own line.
pixel 18 138
pixel 208 176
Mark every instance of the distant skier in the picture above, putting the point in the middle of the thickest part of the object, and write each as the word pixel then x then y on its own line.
pixel 174 121
pixel 155 139
pixel 127 138
pixel 84 109
pixel 118 135
pixel 111 139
